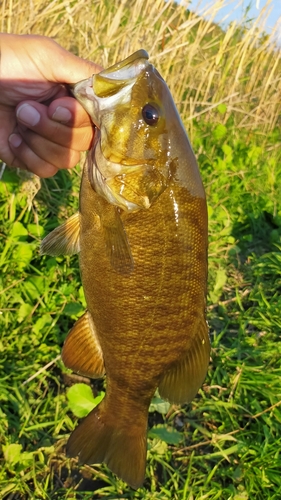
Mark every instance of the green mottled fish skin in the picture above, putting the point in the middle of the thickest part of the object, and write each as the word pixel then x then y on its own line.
pixel 147 326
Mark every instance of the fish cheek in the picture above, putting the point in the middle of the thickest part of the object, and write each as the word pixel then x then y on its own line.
pixel 116 134
pixel 127 139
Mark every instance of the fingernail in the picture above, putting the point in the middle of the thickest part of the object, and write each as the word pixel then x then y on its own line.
pixel 15 140
pixel 62 115
pixel 28 115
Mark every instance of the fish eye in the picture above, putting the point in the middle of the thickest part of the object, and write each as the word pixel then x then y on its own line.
pixel 150 114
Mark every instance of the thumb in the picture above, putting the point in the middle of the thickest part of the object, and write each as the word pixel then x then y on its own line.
pixel 66 67
pixel 54 63
pixel 33 57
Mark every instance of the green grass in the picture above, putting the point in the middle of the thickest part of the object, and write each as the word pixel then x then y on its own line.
pixel 230 440
pixel 226 444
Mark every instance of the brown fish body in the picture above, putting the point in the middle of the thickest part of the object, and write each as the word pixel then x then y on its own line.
pixel 147 320
pixel 145 327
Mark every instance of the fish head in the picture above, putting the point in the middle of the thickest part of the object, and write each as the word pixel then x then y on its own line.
pixel 131 106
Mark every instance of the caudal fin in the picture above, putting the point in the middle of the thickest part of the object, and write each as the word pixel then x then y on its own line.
pixel 101 438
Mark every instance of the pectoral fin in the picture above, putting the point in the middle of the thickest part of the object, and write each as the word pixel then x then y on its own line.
pixel 181 383
pixel 116 241
pixel 64 240
pixel 81 351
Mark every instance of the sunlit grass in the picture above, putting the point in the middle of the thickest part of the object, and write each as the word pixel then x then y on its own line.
pixel 203 65
pixel 227 86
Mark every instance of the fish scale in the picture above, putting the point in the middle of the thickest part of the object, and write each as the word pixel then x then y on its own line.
pixel 143 265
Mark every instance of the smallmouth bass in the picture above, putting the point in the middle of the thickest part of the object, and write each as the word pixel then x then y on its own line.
pixel 141 231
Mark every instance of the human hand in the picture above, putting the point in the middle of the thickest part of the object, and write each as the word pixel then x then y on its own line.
pixel 42 128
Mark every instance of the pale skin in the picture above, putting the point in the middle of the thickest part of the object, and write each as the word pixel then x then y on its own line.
pixel 42 128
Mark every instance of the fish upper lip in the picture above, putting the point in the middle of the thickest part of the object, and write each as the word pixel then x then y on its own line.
pixel 139 54
pixel 129 65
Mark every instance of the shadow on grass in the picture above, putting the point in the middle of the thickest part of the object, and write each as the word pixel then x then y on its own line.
pixel 257 235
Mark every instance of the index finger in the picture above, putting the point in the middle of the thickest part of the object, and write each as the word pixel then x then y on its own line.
pixel 68 110
pixel 64 123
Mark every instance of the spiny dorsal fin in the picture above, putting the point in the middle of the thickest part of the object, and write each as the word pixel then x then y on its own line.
pixel 181 383
pixel 82 351
pixel 64 240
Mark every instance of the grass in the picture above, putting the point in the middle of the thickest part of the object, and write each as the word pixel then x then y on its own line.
pixel 226 444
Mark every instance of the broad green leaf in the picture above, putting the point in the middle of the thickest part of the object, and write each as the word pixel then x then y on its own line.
pixel 81 296
pixel 35 230
pixel 19 231
pixel 81 399
pixel 222 108
pixel 8 489
pixel 41 323
pixel 99 398
pixel 228 154
pixel 220 164
pixel 160 405
pixel 26 459
pixel 12 453
pixel 210 211
pixel 166 434
pixel 220 131
pixel 68 289
pixel 220 279
pixel 10 180
pixel 254 153
pixel 73 308
pixel 227 149
pixel 51 263
pixel 35 286
pixel 157 447
pixel 23 254
pixel 24 311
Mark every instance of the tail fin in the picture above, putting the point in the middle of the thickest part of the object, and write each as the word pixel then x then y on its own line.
pixel 99 439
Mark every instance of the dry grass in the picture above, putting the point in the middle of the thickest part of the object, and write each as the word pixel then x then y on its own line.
pixel 203 65
pixel 231 432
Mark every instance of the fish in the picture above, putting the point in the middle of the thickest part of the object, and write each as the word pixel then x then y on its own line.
pixel 141 233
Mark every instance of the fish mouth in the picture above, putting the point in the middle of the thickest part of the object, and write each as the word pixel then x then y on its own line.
pixel 127 69
pixel 105 89
pixel 83 92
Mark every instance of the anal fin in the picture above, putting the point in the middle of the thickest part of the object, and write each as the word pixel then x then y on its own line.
pixel 181 383
pixel 64 240
pixel 81 351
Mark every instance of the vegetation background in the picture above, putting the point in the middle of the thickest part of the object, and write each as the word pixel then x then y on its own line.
pixel 226 444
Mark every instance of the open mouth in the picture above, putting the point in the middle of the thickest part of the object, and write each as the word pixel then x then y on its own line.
pixel 127 69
